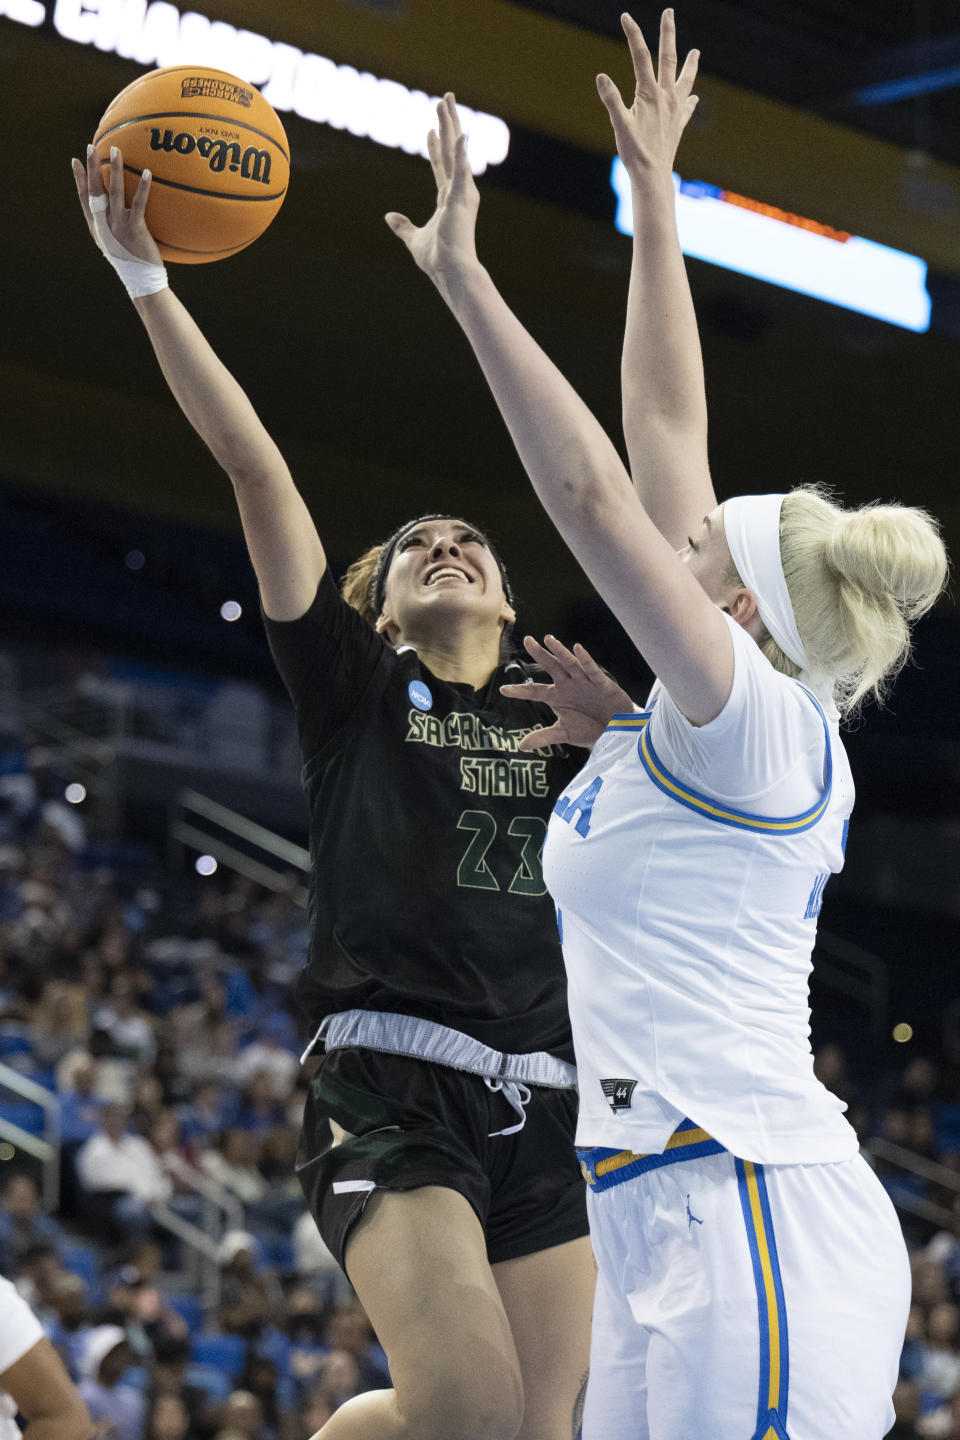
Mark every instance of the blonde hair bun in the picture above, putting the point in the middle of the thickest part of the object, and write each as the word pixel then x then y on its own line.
pixel 892 553
pixel 856 580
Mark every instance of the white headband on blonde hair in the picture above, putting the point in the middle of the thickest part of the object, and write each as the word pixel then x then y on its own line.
pixel 752 527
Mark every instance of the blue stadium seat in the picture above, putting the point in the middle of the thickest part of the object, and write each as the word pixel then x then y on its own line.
pixel 86 1264
pixel 14 1045
pixel 223 1352
pixel 28 1116
pixel 946 1119
pixel 277 1254
pixel 275 1346
pixel 216 1384
pixel 189 1309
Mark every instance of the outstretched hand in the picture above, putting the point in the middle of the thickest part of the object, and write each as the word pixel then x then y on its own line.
pixel 111 222
pixel 447 241
pixel 648 133
pixel 582 696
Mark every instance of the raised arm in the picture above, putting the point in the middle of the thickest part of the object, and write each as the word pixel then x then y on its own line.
pixel 574 468
pixel 280 534
pixel 664 405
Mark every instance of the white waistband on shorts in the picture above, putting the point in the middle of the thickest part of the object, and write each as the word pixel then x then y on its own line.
pixel 425 1040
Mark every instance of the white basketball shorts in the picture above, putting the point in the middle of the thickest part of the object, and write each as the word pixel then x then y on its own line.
pixel 741 1302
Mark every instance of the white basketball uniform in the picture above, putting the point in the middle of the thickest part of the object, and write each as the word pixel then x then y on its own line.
pixel 753 1280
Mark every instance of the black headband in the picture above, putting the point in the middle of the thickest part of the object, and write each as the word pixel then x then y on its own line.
pixel 378 584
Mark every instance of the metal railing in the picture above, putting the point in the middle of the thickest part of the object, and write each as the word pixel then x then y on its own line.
pixel 850 970
pixel 45 1148
pixel 920 1168
pixel 260 842
pixel 221 1211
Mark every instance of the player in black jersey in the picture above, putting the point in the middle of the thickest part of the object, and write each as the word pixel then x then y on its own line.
pixel 437 1153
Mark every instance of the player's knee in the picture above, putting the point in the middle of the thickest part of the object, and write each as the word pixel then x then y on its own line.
pixel 470 1411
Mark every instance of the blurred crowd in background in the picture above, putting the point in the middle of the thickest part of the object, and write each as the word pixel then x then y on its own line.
pixel 157 1008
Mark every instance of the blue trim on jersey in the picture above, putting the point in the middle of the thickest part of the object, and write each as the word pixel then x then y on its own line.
pixel 631 1165
pixel 770 1428
pixel 634 720
pixel 727 814
pixel 778 1292
pixel 771 1308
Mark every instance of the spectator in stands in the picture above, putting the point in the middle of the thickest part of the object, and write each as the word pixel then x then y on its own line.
pixel 917 1087
pixel 260 1107
pixel 168 1376
pixel 130 1030
pixel 241 1414
pixel 250 1298
pixel 141 1307
pixel 164 1138
pixel 216 1058
pixel 939 1375
pixel 271 1054
pixel 944 1251
pixel 33 1381
pixel 206 1114
pixel 351 1331
pixel 929 1282
pixel 233 1165
pixel 306 1330
pixel 111 1078
pixel 175 1087
pixel 59 1023
pixel 37 1280
pixel 830 1068
pixel 281 1206
pixel 119 1409
pixel 23 1225
pixel 906 1405
pixel 310 1255
pixel 36 929
pixel 146 1104
pixel 914 1344
pixel 339 1381
pixel 71 1323
pixel 121 1169
pixel 167 1419
pixel 261 1378
pixel 317 1410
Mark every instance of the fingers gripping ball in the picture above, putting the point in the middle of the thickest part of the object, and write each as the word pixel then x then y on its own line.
pixel 218 154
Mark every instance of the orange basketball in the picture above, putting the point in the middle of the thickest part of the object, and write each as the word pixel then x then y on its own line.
pixel 217 152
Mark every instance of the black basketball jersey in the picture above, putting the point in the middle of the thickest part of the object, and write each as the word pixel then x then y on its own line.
pixel 426 830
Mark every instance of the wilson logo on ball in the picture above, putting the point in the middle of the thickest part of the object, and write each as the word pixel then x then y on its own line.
pixel 253 164
pixel 212 89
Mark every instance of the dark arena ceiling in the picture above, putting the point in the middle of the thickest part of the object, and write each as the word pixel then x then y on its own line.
pixel 888 67
pixel 349 355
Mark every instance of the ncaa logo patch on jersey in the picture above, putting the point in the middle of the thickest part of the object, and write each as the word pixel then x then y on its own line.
pixel 420 695
pixel 619 1093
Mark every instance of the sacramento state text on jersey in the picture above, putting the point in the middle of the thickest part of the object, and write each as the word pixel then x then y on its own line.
pixel 502 774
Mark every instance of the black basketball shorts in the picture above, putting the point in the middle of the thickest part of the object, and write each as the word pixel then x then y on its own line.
pixel 402 1123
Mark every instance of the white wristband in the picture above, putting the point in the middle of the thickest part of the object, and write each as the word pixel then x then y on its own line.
pixel 140 277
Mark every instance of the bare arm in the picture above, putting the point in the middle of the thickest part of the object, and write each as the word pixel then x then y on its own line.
pixel 664 404
pixel 574 468
pixel 46 1396
pixel 281 537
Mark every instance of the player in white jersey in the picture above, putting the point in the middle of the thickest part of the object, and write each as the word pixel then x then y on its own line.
pixel 753 1282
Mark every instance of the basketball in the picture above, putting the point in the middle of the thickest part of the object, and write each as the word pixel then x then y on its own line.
pixel 217 152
